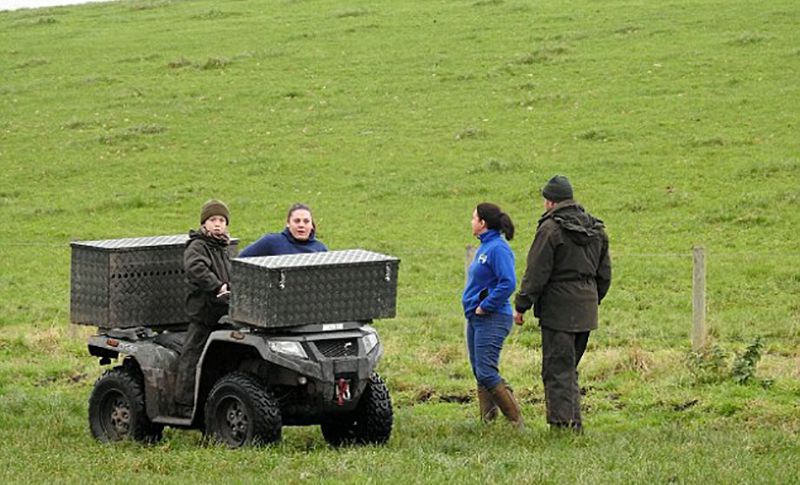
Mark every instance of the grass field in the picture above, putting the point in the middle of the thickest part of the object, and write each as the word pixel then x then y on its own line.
pixel 676 121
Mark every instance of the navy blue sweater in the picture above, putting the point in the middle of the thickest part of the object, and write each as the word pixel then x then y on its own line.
pixel 491 278
pixel 283 242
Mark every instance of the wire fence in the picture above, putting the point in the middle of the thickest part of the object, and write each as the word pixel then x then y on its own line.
pixel 458 251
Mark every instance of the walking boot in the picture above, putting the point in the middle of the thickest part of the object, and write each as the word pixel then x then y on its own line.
pixel 487 406
pixel 505 400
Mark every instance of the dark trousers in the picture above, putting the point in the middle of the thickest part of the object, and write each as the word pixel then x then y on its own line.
pixel 561 353
pixel 187 362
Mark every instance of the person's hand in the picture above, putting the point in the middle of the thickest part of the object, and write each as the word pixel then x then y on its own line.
pixel 223 291
pixel 479 311
pixel 518 318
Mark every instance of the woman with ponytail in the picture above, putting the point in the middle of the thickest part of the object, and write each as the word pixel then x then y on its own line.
pixel 491 280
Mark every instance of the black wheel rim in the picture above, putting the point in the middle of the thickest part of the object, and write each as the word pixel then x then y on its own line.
pixel 234 423
pixel 116 415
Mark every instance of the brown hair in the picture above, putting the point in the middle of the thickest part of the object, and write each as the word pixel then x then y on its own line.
pixel 297 206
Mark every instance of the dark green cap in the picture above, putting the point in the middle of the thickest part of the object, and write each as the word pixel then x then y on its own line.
pixel 557 189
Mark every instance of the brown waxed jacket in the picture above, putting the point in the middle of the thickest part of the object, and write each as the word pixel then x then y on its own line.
pixel 208 266
pixel 568 270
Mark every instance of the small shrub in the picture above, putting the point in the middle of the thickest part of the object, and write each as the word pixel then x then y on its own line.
pixel 711 365
pixel 744 364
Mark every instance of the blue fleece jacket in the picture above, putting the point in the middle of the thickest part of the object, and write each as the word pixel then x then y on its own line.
pixel 277 243
pixel 491 278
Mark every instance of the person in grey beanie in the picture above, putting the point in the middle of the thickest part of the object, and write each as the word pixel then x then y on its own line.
pixel 568 274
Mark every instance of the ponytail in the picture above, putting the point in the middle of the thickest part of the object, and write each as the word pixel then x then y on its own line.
pixel 496 219
pixel 506 226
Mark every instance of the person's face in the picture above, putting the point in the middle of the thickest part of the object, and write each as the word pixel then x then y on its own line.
pixel 216 225
pixel 478 224
pixel 300 224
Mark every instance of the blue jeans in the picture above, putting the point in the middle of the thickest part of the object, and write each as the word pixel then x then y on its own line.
pixel 485 337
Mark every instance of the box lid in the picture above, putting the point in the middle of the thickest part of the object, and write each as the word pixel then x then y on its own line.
pixel 127 243
pixel 134 242
pixel 328 258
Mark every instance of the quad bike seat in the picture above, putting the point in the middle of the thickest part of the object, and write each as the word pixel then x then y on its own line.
pixel 171 340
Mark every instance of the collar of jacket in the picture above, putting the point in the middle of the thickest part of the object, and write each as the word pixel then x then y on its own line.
pixel 561 205
pixel 288 235
pixel 200 234
pixel 489 235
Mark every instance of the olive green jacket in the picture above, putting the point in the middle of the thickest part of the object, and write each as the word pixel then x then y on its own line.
pixel 208 266
pixel 568 269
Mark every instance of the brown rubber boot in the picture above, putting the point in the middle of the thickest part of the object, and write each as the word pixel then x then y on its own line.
pixel 487 406
pixel 507 403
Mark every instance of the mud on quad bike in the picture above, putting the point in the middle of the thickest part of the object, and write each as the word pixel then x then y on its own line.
pixel 250 382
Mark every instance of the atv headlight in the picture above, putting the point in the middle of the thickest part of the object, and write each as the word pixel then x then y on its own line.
pixel 370 341
pixel 288 347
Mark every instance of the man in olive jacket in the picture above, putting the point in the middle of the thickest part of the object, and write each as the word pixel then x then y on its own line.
pixel 568 273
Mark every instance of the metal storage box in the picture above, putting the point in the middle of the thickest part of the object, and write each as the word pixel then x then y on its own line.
pixel 297 289
pixel 130 282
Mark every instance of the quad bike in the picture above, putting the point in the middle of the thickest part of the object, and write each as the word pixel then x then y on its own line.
pixel 250 382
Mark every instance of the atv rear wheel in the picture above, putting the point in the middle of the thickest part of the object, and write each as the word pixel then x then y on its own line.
pixel 239 412
pixel 117 409
pixel 370 423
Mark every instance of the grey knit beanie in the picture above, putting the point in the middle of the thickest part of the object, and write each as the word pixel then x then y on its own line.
pixel 557 189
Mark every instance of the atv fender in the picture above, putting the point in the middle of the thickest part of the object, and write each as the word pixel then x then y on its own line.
pixel 153 360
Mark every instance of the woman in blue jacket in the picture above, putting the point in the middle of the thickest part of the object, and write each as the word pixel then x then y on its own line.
pixel 299 236
pixel 491 281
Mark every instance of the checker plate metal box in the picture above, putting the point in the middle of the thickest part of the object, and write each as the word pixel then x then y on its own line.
pixel 297 289
pixel 130 282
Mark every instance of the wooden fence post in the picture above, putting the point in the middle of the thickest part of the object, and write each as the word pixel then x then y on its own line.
pixel 469 257
pixel 699 299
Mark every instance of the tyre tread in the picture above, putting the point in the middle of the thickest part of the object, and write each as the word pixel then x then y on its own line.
pixel 267 420
pixel 126 380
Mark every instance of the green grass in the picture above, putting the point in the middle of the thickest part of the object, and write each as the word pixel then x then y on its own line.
pixel 676 121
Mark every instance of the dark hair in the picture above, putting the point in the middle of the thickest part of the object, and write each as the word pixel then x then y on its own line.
pixel 296 207
pixel 496 219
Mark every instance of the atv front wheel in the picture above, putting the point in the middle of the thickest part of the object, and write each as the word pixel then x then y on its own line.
pixel 240 412
pixel 370 423
pixel 116 408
